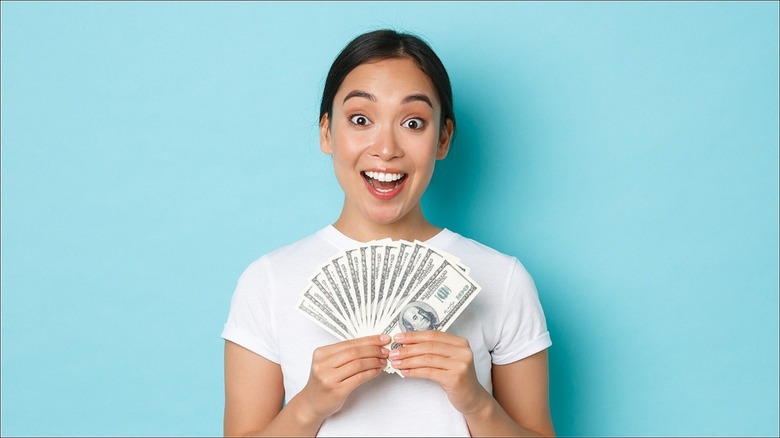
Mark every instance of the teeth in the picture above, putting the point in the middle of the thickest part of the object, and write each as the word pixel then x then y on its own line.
pixel 384 177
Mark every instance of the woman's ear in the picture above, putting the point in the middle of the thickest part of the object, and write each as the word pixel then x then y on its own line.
pixel 325 140
pixel 445 137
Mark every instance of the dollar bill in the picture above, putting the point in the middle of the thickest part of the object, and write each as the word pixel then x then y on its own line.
pixel 316 308
pixel 435 305
pixel 387 286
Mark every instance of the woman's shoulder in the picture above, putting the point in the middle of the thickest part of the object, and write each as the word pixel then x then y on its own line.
pixel 468 249
pixel 313 248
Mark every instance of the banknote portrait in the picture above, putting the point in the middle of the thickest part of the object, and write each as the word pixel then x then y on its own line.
pixel 418 316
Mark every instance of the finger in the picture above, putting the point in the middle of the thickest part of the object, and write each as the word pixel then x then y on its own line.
pixel 360 366
pixel 350 383
pixel 343 357
pixel 329 350
pixel 435 374
pixel 429 336
pixel 435 348
pixel 426 361
pixel 359 342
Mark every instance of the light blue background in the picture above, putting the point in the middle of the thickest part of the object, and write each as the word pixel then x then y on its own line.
pixel 627 153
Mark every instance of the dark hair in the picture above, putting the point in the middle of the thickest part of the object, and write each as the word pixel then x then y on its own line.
pixel 388 44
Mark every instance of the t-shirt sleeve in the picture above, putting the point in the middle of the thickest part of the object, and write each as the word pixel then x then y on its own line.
pixel 524 328
pixel 249 322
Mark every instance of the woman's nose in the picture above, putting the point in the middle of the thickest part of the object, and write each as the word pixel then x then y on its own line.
pixel 386 144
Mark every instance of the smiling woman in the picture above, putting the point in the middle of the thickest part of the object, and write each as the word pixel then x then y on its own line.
pixel 386 118
pixel 384 145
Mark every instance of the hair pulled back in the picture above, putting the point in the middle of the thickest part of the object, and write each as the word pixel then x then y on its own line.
pixel 388 44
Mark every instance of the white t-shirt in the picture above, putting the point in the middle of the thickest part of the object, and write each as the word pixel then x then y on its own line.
pixel 503 324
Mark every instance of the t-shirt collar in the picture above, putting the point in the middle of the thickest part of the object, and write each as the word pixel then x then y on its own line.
pixel 342 241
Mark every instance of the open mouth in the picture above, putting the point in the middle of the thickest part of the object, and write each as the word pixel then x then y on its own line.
pixel 383 182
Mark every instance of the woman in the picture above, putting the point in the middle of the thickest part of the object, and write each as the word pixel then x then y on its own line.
pixel 386 117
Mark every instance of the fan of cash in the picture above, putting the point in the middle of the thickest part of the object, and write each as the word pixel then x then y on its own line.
pixel 386 287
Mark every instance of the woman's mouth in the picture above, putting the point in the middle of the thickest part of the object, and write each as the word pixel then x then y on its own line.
pixel 384 184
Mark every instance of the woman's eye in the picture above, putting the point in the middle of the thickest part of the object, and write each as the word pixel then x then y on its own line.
pixel 413 124
pixel 359 120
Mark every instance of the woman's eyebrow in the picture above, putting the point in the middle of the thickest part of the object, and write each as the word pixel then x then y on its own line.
pixel 359 93
pixel 418 97
pixel 410 98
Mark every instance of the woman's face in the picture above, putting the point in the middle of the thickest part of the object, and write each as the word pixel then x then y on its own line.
pixel 384 135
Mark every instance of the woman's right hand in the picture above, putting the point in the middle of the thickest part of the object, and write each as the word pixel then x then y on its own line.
pixel 337 369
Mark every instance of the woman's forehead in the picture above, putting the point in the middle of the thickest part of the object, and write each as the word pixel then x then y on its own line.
pixel 394 78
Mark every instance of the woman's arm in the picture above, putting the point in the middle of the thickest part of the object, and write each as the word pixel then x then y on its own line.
pixel 520 405
pixel 254 392
pixel 522 390
pixel 254 388
pixel 521 399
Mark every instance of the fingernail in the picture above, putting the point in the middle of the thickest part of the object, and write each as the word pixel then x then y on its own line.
pixel 399 337
pixel 394 353
pixel 384 351
pixel 384 338
pixel 396 363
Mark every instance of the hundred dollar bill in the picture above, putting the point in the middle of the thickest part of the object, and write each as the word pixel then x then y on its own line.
pixel 334 284
pixel 425 261
pixel 435 305
pixel 364 292
pixel 395 277
pixel 316 309
pixel 335 305
pixel 376 262
pixel 353 278
pixel 386 271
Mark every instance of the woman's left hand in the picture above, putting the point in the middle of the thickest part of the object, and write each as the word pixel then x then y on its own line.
pixel 447 360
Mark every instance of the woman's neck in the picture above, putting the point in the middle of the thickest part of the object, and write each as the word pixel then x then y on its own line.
pixel 411 227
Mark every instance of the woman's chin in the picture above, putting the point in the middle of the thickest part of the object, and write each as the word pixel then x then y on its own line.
pixel 385 219
pixel 393 215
